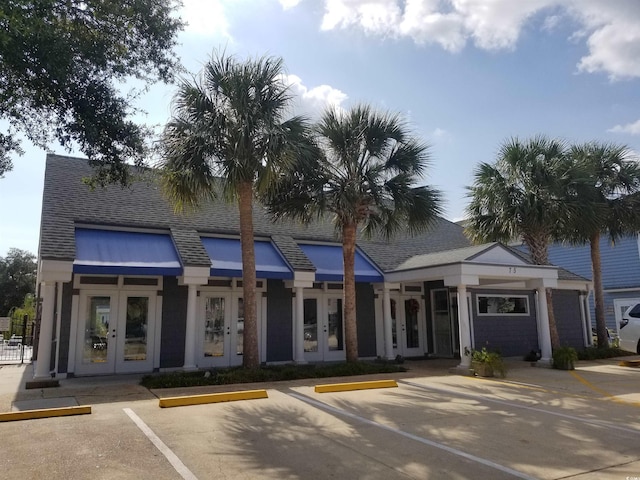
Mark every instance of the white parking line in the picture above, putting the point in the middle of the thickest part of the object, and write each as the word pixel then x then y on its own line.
pixel 454 451
pixel 586 421
pixel 177 464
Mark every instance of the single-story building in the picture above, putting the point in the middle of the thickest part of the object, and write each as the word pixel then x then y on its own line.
pixel 128 285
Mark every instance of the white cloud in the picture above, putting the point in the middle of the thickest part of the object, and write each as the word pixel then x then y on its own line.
pixel 613 30
pixel 313 101
pixel 205 18
pixel 610 29
pixel 287 4
pixel 630 128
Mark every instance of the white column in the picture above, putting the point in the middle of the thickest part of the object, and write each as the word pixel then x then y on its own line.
pixel 43 367
pixel 298 341
pixel 190 331
pixel 464 325
pixel 543 326
pixel 387 321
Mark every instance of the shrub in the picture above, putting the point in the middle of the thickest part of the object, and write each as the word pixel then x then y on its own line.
pixel 272 373
pixel 594 353
pixel 564 358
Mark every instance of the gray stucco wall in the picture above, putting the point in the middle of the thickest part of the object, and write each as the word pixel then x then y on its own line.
pixel 174 320
pixel 512 335
pixel 566 307
pixel 366 320
pixel 279 322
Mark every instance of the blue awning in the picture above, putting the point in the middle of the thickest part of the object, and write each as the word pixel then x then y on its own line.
pixel 226 259
pixel 125 253
pixel 329 265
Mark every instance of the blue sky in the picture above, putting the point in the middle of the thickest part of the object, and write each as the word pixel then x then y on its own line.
pixel 467 74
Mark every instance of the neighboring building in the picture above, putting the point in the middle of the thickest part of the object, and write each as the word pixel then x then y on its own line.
pixel 127 285
pixel 620 273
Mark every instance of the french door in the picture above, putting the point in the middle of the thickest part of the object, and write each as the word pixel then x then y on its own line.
pixel 323 328
pixel 407 325
pixel 116 332
pixel 220 339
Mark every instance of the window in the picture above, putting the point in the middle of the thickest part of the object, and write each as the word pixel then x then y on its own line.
pixel 503 305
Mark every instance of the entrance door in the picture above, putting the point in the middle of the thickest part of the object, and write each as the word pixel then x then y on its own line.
pixel 443 331
pixel 116 333
pixel 323 328
pixel 222 332
pixel 407 326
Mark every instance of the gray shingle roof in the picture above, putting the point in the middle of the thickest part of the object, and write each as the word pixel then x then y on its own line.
pixel 68 201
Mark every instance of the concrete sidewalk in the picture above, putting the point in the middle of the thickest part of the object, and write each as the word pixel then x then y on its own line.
pixel 598 378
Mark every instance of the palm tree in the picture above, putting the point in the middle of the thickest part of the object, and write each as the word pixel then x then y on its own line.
pixel 607 189
pixel 517 197
pixel 228 131
pixel 365 180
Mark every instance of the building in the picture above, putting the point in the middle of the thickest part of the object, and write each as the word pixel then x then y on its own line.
pixel 620 273
pixel 127 285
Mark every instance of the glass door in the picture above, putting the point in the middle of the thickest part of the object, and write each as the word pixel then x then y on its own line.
pixel 96 345
pixel 221 336
pixel 117 331
pixel 333 330
pixel 215 341
pixel 323 328
pixel 442 330
pixel 136 327
pixel 313 333
pixel 412 327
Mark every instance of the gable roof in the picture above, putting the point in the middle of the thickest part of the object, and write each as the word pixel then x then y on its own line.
pixel 68 202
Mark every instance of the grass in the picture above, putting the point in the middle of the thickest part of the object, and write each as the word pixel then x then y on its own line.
pixel 272 373
pixel 594 353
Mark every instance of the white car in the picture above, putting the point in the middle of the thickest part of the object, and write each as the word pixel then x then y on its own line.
pixel 630 329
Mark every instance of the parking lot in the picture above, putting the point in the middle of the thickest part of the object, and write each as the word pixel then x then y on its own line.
pixel 536 423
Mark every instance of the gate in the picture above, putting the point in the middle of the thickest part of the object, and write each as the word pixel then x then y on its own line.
pixel 18 348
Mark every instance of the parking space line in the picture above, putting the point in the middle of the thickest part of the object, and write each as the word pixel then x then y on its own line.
pixel 593 387
pixel 588 421
pixel 431 443
pixel 173 459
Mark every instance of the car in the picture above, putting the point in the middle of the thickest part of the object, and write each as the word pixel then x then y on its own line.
pixel 630 329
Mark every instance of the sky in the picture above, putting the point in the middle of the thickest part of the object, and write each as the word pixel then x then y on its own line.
pixel 466 74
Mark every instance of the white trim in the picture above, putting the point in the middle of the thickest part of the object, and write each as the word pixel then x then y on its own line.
pixel 622 290
pixel 194 276
pixel 583 286
pixel 55 271
pixel 469 273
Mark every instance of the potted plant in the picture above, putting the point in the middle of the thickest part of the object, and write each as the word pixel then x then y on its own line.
pixel 564 358
pixel 485 363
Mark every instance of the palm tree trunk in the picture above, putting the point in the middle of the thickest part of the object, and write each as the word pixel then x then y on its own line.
pixel 538 246
pixel 596 268
pixel 350 326
pixel 251 358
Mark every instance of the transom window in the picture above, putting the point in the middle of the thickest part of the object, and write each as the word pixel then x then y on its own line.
pixel 502 305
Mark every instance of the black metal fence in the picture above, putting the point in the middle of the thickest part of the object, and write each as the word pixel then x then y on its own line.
pixel 18 347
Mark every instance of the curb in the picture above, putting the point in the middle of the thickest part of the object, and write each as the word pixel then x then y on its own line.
pixel 346 387
pixel 629 363
pixel 45 413
pixel 212 398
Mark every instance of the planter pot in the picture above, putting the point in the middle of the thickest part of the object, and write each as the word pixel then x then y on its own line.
pixel 482 369
pixel 566 365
